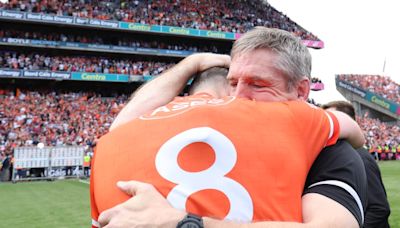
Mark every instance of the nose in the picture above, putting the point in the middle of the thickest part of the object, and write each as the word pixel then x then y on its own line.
pixel 242 90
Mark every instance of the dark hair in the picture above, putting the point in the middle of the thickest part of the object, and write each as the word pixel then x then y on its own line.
pixel 342 106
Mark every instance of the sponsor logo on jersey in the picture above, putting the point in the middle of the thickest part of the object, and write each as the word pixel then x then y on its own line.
pixel 184 104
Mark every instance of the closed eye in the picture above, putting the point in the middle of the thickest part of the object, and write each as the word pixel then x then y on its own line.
pixel 233 84
pixel 258 86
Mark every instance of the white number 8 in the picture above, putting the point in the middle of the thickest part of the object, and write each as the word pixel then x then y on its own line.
pixel 241 205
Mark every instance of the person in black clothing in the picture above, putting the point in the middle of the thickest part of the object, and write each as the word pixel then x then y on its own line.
pixel 378 209
pixel 5 169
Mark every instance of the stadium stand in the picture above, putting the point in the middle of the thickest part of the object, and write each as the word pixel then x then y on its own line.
pixel 316 84
pixel 376 100
pixel 131 41
pixel 93 64
pixel 77 109
pixel 379 136
pixel 78 118
pixel 381 85
pixel 53 118
pixel 227 16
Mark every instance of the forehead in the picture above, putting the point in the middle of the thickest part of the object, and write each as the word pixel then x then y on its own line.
pixel 257 64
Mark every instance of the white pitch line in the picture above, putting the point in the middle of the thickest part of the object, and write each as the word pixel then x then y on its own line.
pixel 85 182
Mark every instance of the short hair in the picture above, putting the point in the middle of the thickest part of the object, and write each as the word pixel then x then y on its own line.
pixel 213 75
pixel 342 106
pixel 294 57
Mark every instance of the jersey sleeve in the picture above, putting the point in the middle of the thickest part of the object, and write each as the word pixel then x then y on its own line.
pixel 316 127
pixel 338 173
pixel 334 128
pixel 93 207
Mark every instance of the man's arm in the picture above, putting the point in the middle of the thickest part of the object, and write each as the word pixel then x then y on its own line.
pixel 168 85
pixel 318 211
pixel 149 207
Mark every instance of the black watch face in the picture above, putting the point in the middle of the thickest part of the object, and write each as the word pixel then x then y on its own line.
pixel 190 224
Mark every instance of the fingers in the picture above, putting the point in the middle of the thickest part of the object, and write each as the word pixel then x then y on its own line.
pixel 134 187
pixel 105 217
pixel 205 61
pixel 139 210
pixel 219 60
pixel 225 60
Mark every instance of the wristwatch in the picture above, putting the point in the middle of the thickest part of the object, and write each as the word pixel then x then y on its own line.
pixel 191 221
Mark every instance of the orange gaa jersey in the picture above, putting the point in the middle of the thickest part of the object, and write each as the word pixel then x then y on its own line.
pixel 226 158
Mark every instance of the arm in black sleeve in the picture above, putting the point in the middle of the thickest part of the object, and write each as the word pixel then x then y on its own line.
pixel 338 173
pixel 378 209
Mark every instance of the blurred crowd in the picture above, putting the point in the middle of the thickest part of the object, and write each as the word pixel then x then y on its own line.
pixel 312 101
pixel 381 85
pixel 235 16
pixel 55 118
pixel 110 40
pixel 31 117
pixel 381 137
pixel 92 64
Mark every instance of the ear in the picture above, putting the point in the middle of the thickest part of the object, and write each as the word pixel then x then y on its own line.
pixel 303 89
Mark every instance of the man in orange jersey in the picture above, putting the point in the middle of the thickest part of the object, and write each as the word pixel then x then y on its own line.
pixel 315 206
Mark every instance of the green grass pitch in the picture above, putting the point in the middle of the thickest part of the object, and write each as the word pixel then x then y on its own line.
pixel 66 203
pixel 391 178
pixel 45 204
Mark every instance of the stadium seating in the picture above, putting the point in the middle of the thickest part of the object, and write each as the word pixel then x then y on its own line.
pixel 378 133
pixel 129 41
pixel 36 61
pixel 54 118
pixel 380 85
pixel 30 117
pixel 228 16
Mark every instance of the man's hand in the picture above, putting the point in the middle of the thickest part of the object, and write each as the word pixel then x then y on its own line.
pixel 147 208
pixel 204 61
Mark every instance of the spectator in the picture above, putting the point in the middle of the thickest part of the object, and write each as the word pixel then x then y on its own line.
pixel 5 168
